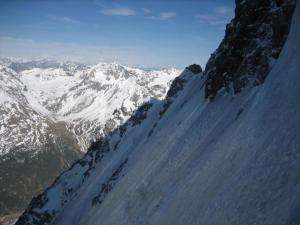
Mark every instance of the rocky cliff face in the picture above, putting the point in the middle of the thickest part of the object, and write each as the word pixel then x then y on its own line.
pixel 253 41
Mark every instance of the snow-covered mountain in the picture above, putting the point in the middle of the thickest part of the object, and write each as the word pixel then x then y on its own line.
pixel 91 100
pixel 51 112
pixel 214 151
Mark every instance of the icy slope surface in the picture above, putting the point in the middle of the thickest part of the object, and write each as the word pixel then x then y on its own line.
pixel 232 161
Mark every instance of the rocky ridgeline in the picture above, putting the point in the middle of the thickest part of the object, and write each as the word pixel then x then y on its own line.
pixel 253 40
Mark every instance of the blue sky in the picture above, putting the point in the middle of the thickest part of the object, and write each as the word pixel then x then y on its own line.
pixel 140 33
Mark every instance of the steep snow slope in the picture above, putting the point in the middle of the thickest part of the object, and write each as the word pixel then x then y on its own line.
pixel 231 161
pixel 240 169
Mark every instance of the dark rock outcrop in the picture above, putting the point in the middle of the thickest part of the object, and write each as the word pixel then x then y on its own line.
pixel 194 68
pixel 253 40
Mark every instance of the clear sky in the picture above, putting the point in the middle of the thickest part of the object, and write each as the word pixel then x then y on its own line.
pixel 155 33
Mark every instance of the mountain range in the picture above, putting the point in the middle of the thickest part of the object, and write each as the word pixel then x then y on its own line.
pixel 51 112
